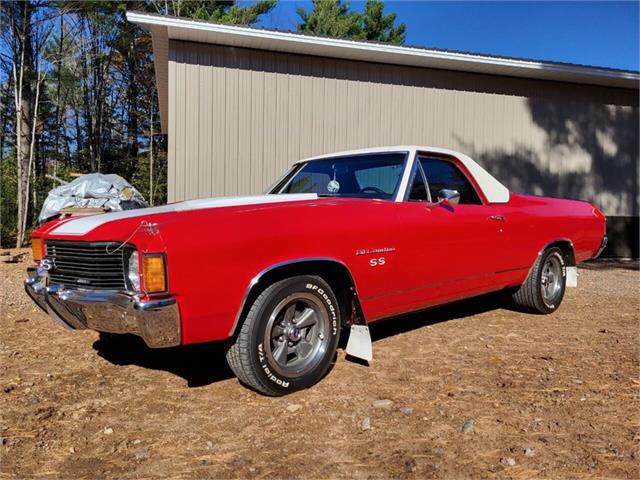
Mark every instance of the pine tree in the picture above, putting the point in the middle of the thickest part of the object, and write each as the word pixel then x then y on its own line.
pixel 220 11
pixel 331 18
pixel 380 27
pixel 334 18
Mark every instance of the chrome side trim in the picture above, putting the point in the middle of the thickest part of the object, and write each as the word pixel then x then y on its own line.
pixel 541 251
pixel 573 250
pixel 153 304
pixel 603 245
pixel 256 279
pixel 428 285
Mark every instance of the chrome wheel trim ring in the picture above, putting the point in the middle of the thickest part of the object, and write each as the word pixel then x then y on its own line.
pixel 551 280
pixel 306 340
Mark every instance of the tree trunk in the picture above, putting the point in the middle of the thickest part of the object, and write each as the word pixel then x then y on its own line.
pixel 79 142
pixel 87 113
pixel 97 62
pixel 59 130
pixel 132 98
pixel 65 138
pixel 151 155
pixel 22 64
pixel 5 114
pixel 32 148
pixel 4 121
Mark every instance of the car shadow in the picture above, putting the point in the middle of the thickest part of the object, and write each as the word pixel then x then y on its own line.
pixel 415 320
pixel 200 365
pixel 205 363
pixel 611 264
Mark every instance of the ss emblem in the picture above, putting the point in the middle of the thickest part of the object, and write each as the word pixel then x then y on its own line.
pixel 47 263
pixel 377 262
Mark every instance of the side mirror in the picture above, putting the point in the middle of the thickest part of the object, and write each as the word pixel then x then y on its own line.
pixel 452 197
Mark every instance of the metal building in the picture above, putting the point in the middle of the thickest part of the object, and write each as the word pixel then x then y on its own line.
pixel 241 104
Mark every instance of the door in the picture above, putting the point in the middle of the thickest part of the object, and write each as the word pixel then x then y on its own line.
pixel 446 251
pixel 479 224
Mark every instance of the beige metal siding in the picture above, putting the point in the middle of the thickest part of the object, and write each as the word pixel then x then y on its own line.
pixel 238 118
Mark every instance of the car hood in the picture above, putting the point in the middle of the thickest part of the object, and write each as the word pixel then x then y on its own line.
pixel 83 225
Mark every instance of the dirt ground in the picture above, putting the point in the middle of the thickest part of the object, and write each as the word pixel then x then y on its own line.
pixel 537 396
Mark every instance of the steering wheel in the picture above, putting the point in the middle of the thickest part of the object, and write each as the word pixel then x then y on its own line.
pixel 373 189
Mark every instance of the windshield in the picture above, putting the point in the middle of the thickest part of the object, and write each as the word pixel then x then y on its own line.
pixel 366 176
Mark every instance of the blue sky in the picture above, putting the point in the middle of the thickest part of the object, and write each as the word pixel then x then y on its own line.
pixel 590 33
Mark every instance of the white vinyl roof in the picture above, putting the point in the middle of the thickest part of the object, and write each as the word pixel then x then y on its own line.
pixel 165 28
pixel 494 191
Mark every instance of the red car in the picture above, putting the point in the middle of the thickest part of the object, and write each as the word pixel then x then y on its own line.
pixel 339 241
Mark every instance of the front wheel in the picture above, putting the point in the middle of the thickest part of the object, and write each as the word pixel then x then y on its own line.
pixel 289 338
pixel 543 290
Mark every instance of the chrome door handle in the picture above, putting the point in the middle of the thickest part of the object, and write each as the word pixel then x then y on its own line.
pixel 497 218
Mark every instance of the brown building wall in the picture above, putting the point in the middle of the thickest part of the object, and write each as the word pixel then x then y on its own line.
pixel 238 118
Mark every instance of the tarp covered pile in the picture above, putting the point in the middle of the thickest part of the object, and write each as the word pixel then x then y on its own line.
pixel 95 190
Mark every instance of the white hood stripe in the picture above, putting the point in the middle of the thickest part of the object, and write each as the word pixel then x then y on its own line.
pixel 83 225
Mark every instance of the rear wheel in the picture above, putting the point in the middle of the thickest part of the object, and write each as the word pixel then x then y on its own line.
pixel 544 288
pixel 289 338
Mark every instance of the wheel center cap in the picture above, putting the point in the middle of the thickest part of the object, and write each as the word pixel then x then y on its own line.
pixel 294 334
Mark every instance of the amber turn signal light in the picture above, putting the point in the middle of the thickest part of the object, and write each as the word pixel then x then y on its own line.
pixel 154 273
pixel 36 249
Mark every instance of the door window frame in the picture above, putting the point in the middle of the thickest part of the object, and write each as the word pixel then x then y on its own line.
pixel 418 170
pixel 448 158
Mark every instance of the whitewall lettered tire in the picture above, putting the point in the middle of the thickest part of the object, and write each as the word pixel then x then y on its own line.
pixel 543 290
pixel 289 337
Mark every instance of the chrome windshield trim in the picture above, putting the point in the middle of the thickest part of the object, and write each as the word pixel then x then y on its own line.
pixel 395 197
pixel 293 170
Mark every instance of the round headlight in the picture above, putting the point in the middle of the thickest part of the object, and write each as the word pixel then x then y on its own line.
pixel 133 272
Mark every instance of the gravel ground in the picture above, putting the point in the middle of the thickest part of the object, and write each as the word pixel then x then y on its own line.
pixel 472 390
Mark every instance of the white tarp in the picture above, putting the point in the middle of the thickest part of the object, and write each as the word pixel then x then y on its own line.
pixel 95 190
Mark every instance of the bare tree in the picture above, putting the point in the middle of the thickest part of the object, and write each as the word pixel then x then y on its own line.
pixel 77 94
pixel 151 156
pixel 28 36
pixel 21 62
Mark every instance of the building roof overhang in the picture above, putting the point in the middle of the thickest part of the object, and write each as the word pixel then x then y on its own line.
pixel 165 28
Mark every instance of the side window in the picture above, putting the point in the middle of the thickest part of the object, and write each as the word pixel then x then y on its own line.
pixel 418 191
pixel 442 174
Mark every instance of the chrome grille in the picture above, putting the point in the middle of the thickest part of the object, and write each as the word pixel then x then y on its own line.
pixel 95 266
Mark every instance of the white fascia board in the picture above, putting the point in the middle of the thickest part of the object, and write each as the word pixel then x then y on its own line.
pixel 205 32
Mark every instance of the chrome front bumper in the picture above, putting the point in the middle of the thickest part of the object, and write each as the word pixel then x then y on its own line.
pixel 156 321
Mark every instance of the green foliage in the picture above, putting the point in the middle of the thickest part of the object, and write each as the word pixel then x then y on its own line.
pixel 220 11
pixel 333 18
pixel 40 187
pixel 140 178
pixel 380 27
pixel 8 204
pixel 98 105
